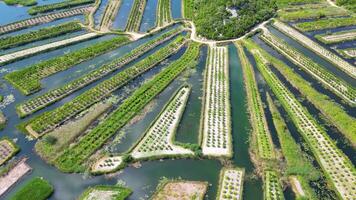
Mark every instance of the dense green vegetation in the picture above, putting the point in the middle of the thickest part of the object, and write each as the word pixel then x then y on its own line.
pixel 311 13
pixel 326 24
pixel 348 4
pixel 258 121
pixel 297 161
pixel 135 17
pixel 50 119
pixel 287 3
pixel 188 9
pixel 27 80
pixel 36 189
pixel 41 34
pixel 21 2
pixel 119 192
pixel 164 15
pixel 52 96
pixel 58 6
pixel 213 20
pixel 72 159
pixel 331 110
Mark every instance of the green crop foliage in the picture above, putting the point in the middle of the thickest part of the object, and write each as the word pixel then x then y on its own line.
pixel 21 2
pixel 45 33
pixel 35 189
pixel 326 24
pixel 163 12
pixel 28 80
pixel 135 17
pixel 313 13
pixel 58 6
pixel 72 159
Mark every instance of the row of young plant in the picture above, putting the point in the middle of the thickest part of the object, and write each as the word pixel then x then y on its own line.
pixel 337 167
pixel 310 44
pixel 158 141
pixel 55 95
pixel 328 80
pixel 7 149
pixel 27 52
pixel 41 34
pixel 27 80
pixel 164 15
pixel 326 23
pixel 337 37
pixel 57 6
pixel 217 140
pixel 110 13
pixel 272 186
pixel 51 119
pixel 331 110
pixel 15 26
pixel 297 164
pixel 72 159
pixel 188 9
pixel 230 184
pixel 257 115
pixel 134 21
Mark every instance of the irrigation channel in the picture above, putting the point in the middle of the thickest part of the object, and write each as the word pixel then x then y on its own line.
pixel 143 179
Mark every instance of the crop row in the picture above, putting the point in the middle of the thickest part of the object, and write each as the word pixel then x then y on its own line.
pixel 158 140
pixel 54 95
pixel 7 150
pixel 41 19
pixel 231 184
pixel 18 40
pixel 188 9
pixel 326 23
pixel 110 13
pixel 341 36
pixel 27 80
pixel 328 80
pixel 73 158
pixel 257 115
pixel 310 44
pixel 216 124
pixel 272 186
pixel 49 120
pixel 337 167
pixel 135 17
pixel 164 15
pixel 18 55
pixel 114 192
pixel 311 13
pixel 58 6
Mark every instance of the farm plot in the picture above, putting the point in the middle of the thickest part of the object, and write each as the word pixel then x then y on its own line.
pixel 58 6
pixel 328 80
pixel 257 115
pixel 231 184
pixel 11 57
pixel 49 120
pixel 2 120
pixel 135 17
pixel 326 24
pixel 105 192
pixel 272 186
pixel 27 80
pixel 7 150
pixel 52 96
pixel 337 37
pixel 216 123
pixel 310 44
pixel 181 190
pixel 36 189
pixel 337 167
pixel 158 141
pixel 164 15
pixel 73 158
pixel 44 33
pixel 107 164
pixel 19 170
pixel 110 13
pixel 42 19
pixel 348 53
pixel 188 9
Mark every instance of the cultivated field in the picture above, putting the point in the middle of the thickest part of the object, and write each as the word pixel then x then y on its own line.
pixel 216 123
pixel 231 184
pixel 181 190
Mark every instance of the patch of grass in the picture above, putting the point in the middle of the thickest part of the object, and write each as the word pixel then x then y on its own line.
pixel 35 189
pixel 21 2
pixel 307 13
